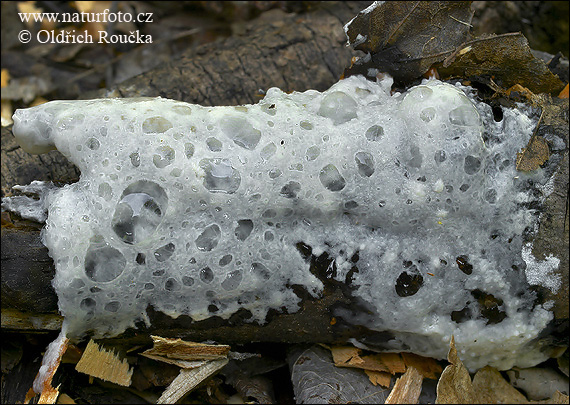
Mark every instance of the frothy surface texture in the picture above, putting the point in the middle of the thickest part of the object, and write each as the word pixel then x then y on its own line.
pixel 202 211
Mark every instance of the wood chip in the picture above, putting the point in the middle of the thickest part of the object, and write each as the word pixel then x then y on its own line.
pixel 182 350
pixel 104 364
pixel 176 362
pixel 65 399
pixel 349 356
pixel 426 366
pixel 188 379
pixel 394 362
pixel 454 385
pixel 49 395
pixel 407 388
pixel 50 364
pixel 381 378
pixel 344 356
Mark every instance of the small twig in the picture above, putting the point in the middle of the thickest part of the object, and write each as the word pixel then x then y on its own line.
pixel 459 21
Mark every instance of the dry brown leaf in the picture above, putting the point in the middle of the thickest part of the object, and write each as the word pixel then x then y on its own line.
pixel 405 38
pixel 6 112
pixel 454 385
pixel 426 366
pixel 507 58
pixel 407 388
pixel 93 26
pixel 491 388
pixel 522 91
pixel 560 398
pixel 534 155
pixel 564 92
pixel 38 101
pixel 372 362
pixel 381 378
pixel 30 7
pixel 349 356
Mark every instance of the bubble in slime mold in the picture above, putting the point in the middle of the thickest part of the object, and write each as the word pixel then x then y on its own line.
pixel 198 211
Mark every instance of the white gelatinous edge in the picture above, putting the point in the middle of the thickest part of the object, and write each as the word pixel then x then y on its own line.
pixel 29 207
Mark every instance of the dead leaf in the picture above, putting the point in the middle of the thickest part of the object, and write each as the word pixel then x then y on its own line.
pixel 491 388
pixel 381 378
pixel 521 94
pixel 454 385
pixel 407 389
pixel 407 38
pixel 349 356
pixel 535 153
pixel 564 92
pixel 65 399
pixel 426 366
pixel 506 59
pixel 559 398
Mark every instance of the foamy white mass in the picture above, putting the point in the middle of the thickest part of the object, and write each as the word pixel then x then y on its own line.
pixel 201 211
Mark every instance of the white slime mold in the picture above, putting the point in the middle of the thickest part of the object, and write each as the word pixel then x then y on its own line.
pixel 201 211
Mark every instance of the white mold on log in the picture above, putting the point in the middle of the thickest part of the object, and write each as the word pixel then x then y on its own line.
pixel 201 211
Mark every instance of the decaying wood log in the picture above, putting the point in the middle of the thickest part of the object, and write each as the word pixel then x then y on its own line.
pixel 293 52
